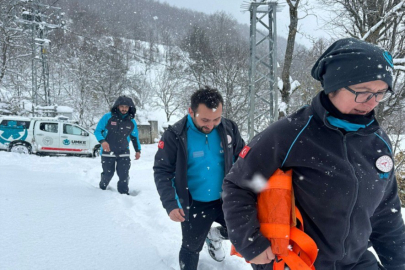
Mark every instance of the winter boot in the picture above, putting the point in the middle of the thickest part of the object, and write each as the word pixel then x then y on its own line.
pixel 122 186
pixel 214 244
pixel 104 182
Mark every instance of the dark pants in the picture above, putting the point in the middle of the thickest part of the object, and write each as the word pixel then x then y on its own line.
pixel 202 215
pixel 367 262
pixel 112 163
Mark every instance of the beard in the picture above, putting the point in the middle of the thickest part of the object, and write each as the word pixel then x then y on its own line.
pixel 203 129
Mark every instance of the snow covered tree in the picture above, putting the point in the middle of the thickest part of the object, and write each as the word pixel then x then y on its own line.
pixel 218 56
pixel 167 88
pixel 13 50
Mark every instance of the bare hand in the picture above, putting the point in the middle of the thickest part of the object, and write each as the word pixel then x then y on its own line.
pixel 105 146
pixel 137 155
pixel 177 215
pixel 263 258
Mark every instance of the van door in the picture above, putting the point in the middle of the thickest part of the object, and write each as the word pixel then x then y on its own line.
pixel 74 139
pixel 47 136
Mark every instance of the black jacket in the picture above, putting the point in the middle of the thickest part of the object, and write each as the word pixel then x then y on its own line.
pixel 170 168
pixel 117 129
pixel 344 199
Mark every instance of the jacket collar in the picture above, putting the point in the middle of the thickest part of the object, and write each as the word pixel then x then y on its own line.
pixel 323 115
pixel 180 126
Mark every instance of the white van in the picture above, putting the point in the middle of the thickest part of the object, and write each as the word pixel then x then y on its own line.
pixel 41 135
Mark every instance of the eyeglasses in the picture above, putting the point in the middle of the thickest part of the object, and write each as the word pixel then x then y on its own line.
pixel 363 97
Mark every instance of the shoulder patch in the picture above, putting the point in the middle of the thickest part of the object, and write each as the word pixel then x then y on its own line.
pixel 161 144
pixel 244 151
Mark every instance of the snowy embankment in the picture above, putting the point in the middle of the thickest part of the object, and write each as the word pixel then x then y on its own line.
pixel 54 216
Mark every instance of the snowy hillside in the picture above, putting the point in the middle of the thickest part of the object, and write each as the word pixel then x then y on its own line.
pixel 54 216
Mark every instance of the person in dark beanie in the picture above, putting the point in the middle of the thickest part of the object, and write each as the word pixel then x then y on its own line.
pixel 192 159
pixel 343 168
pixel 114 132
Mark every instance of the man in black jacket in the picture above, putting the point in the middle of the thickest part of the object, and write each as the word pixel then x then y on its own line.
pixel 192 159
pixel 343 174
pixel 114 132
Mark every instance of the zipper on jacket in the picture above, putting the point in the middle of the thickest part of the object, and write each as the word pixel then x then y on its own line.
pixel 223 135
pixel 355 196
pixel 206 141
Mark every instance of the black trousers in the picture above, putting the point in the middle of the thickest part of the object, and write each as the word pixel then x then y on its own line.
pixel 202 215
pixel 119 163
pixel 367 262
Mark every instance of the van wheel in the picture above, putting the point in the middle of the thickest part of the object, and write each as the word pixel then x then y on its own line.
pixel 20 148
pixel 96 151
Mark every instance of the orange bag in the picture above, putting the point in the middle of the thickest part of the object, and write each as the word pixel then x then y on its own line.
pixel 277 215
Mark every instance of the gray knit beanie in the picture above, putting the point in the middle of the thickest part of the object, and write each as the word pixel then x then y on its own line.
pixel 351 61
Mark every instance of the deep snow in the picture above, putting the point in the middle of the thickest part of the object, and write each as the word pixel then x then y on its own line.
pixel 54 216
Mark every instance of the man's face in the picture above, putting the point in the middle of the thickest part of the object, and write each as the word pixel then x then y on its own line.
pixel 206 119
pixel 123 109
pixel 344 101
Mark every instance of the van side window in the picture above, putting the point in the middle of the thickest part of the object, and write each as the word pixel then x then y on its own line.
pixel 49 127
pixel 15 124
pixel 73 130
pixel 24 124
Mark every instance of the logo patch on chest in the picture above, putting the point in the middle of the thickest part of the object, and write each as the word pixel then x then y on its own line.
pixel 113 123
pixel 384 164
pixel 198 154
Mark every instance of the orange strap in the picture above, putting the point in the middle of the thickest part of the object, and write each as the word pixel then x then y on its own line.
pixel 295 262
pixel 277 229
pixel 274 205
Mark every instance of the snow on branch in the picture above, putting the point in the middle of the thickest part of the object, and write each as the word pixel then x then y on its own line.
pixel 399 64
pixel 399 68
pixel 375 27
pixel 399 61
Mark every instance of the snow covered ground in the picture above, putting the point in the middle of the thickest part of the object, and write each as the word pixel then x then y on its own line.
pixel 54 216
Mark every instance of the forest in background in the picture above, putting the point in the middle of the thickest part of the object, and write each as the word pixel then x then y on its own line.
pixel 159 54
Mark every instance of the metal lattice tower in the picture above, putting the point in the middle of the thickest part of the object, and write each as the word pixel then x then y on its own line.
pixel 263 94
pixel 40 19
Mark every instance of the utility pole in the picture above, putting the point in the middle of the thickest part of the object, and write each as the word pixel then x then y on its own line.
pixel 40 19
pixel 263 93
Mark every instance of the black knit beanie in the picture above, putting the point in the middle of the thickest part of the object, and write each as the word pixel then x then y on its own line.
pixel 351 61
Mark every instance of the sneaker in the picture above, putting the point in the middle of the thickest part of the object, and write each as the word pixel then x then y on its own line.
pixel 214 244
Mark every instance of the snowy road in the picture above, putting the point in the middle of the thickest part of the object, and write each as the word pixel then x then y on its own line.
pixel 54 216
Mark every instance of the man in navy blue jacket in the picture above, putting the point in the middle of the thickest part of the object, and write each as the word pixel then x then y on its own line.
pixel 343 168
pixel 192 159
pixel 114 131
